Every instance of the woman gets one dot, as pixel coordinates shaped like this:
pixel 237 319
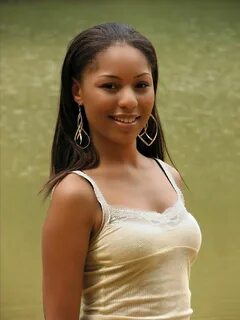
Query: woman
pixel 117 232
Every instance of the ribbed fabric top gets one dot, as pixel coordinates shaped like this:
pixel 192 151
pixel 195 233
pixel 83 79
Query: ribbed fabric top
pixel 138 264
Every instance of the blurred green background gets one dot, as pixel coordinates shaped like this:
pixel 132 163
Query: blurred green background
pixel 198 48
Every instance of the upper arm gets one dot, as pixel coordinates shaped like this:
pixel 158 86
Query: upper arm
pixel 65 238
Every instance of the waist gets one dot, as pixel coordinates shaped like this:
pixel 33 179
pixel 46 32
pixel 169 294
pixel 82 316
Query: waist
pixel 142 306
pixel 119 317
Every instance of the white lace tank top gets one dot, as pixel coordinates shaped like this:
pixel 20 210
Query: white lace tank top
pixel 138 264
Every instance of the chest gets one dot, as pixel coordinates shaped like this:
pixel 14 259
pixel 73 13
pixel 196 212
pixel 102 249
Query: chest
pixel 147 191
pixel 131 235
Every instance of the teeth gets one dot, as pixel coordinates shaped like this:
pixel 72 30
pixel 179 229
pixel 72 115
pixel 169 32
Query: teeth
pixel 125 120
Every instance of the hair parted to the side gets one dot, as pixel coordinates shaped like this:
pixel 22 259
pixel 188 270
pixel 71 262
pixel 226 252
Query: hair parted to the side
pixel 66 155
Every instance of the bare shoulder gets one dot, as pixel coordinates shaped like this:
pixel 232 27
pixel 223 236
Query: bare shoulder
pixel 176 175
pixel 73 197
pixel 72 185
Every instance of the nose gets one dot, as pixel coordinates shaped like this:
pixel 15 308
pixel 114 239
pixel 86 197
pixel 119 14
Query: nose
pixel 127 99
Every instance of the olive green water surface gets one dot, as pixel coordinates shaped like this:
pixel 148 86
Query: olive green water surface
pixel 198 45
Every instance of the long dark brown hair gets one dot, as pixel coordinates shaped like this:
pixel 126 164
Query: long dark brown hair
pixel 66 155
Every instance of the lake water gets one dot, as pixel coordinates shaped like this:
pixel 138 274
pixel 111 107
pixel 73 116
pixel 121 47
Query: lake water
pixel 198 49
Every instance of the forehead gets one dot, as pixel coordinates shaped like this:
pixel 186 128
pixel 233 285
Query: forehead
pixel 120 59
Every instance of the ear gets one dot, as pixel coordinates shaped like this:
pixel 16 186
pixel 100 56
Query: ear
pixel 76 91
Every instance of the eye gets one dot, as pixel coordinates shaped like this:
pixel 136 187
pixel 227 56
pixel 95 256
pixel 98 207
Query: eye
pixel 142 85
pixel 109 86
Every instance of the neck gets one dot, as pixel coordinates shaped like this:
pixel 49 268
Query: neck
pixel 118 155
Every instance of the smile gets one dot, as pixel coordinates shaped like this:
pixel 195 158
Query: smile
pixel 125 120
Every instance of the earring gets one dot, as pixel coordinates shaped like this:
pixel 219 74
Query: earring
pixel 140 136
pixel 80 131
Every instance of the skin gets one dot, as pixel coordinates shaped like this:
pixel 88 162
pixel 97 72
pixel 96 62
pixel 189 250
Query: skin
pixel 102 94
pixel 74 214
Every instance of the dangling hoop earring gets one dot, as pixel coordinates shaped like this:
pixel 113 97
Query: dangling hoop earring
pixel 80 131
pixel 140 136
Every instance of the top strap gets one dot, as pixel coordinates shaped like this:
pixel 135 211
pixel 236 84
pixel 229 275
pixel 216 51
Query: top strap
pixel 169 175
pixel 96 189
pixel 99 196
pixel 100 199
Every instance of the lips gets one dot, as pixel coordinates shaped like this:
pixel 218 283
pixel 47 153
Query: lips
pixel 125 119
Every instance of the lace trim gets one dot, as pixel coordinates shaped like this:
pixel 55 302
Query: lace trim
pixel 113 214
pixel 172 216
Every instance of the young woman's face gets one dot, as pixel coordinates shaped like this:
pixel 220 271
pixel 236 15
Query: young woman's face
pixel 118 94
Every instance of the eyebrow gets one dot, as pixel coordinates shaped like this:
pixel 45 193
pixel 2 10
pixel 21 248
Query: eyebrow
pixel 116 77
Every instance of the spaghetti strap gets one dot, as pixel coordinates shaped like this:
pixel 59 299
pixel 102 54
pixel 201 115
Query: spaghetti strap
pixel 166 174
pixel 96 189
pixel 100 199
pixel 169 175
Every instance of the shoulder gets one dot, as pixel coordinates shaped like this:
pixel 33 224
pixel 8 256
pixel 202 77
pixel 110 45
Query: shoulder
pixel 175 174
pixel 72 187
pixel 72 200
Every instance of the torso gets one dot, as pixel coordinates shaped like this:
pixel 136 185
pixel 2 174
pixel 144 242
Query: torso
pixel 141 253
pixel 153 192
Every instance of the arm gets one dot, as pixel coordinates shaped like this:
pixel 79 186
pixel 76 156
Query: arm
pixel 65 238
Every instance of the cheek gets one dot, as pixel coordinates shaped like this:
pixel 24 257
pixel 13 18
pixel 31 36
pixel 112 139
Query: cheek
pixel 148 99
pixel 99 100
pixel 97 108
